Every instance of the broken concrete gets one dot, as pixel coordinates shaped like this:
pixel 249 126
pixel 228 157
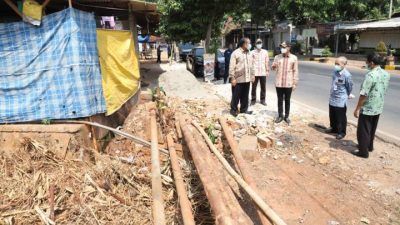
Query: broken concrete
pixel 248 146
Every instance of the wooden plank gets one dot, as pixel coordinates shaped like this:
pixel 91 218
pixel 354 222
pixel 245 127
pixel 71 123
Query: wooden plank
pixel 156 186
pixel 185 205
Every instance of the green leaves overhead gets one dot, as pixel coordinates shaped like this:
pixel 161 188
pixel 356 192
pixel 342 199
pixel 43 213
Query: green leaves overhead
pixel 195 20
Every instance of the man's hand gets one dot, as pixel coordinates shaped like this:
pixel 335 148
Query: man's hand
pixel 253 79
pixel 356 112
pixel 233 82
pixel 294 87
pixel 273 66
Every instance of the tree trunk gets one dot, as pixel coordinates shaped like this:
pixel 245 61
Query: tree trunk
pixel 208 35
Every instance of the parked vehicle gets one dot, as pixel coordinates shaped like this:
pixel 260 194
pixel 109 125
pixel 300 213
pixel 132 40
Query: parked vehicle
pixel 184 50
pixel 219 63
pixel 195 60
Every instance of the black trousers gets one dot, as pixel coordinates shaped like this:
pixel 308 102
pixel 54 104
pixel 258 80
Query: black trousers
pixel 240 94
pixel 158 58
pixel 226 74
pixel 338 119
pixel 366 133
pixel 263 81
pixel 284 94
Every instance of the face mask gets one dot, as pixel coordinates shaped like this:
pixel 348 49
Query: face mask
pixel 338 68
pixel 259 46
pixel 367 66
pixel 283 50
pixel 249 47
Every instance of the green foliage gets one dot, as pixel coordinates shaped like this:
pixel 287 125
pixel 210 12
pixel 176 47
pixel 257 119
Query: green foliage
pixel 189 20
pixel 209 130
pixel 326 52
pixel 381 48
pixel 46 121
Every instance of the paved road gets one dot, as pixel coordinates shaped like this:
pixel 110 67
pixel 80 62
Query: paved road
pixel 314 86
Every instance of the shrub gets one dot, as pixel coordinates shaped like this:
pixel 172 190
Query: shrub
pixel 381 48
pixel 326 52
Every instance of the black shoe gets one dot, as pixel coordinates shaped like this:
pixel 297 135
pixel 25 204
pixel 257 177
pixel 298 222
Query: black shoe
pixel 233 113
pixel 248 112
pixel 330 130
pixel 252 102
pixel 358 154
pixel 340 136
pixel 287 120
pixel 279 119
pixel 264 103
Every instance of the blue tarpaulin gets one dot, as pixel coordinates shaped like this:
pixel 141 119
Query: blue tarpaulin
pixel 51 71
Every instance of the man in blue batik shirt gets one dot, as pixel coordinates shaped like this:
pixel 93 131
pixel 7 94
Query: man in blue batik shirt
pixel 341 88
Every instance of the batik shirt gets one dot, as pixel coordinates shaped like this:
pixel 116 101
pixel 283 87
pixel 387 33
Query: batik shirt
pixel 374 87
pixel 341 88
pixel 261 62
pixel 241 66
pixel 287 71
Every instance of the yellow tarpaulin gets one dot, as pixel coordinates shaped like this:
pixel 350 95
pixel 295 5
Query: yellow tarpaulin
pixel 119 67
pixel 32 9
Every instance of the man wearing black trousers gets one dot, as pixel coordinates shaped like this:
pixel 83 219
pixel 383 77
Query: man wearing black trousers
pixel 261 72
pixel 241 73
pixel 370 104
pixel 340 92
pixel 287 76
pixel 227 56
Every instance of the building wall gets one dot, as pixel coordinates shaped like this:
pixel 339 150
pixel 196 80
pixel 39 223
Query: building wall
pixel 370 39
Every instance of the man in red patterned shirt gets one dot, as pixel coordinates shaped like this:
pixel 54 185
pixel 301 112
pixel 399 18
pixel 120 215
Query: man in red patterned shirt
pixel 287 76
pixel 261 72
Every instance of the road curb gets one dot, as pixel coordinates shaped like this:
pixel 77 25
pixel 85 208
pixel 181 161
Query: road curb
pixel 381 135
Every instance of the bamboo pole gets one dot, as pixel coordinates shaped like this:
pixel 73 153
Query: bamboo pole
pixel 220 211
pixel 13 7
pixel 251 187
pixel 158 203
pixel 119 132
pixel 186 208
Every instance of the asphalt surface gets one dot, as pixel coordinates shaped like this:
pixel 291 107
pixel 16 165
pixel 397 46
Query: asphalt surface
pixel 314 86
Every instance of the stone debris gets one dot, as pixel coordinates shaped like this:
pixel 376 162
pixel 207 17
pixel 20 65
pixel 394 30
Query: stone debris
pixel 248 145
pixel 365 220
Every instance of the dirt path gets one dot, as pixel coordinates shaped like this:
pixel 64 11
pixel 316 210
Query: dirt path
pixel 308 177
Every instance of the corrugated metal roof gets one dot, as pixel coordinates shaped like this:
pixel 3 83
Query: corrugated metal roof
pixel 375 25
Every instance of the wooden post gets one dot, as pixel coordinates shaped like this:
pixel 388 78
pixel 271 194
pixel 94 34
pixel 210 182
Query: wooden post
pixel 13 7
pixel 186 207
pixel 248 178
pixel 206 171
pixel 158 203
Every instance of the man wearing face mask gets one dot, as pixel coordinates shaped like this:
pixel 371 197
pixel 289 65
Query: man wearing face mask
pixel 241 73
pixel 287 76
pixel 370 104
pixel 341 88
pixel 261 72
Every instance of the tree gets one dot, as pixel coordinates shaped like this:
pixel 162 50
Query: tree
pixel 194 20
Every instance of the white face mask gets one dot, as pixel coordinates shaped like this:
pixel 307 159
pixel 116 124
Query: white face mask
pixel 249 47
pixel 259 46
pixel 283 50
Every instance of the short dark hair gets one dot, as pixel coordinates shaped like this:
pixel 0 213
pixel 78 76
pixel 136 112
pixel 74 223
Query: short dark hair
pixel 374 58
pixel 242 41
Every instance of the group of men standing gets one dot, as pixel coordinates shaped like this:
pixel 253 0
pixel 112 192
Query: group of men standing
pixel 247 68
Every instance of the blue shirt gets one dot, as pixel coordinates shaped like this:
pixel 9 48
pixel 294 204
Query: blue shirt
pixel 341 88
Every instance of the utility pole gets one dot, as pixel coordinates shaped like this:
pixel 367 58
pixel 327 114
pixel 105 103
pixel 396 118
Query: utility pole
pixel 390 9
